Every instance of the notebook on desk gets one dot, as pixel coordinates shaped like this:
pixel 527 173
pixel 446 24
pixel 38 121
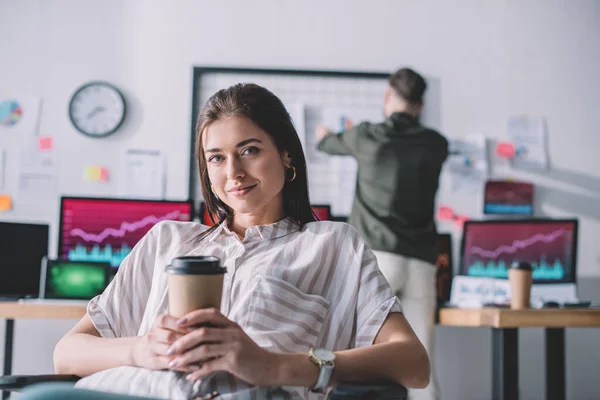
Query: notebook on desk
pixel 71 282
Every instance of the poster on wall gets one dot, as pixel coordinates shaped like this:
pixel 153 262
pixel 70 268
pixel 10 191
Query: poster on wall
pixel 530 140
pixel 19 114
pixel 37 174
pixel 468 163
pixel 145 175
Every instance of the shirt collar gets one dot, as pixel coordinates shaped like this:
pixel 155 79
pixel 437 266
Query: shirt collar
pixel 283 227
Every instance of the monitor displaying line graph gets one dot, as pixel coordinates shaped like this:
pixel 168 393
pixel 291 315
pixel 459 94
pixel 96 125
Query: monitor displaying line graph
pixel 490 247
pixel 105 230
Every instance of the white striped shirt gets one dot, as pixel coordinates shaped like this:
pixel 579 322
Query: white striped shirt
pixel 289 287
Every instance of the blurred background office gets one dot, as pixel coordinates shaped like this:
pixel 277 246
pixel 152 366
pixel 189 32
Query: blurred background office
pixel 485 61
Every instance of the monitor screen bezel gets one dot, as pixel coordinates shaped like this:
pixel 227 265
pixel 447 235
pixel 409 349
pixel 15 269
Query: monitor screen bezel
pixel 574 221
pixel 62 208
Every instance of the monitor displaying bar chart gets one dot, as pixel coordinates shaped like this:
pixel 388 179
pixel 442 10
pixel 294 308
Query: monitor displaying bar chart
pixel 105 230
pixel 490 247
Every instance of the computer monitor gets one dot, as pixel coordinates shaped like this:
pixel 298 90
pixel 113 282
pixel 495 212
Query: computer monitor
pixel 105 230
pixel 322 211
pixel 550 245
pixel 22 248
pixel 508 197
pixel 205 216
pixel 78 280
pixel 444 267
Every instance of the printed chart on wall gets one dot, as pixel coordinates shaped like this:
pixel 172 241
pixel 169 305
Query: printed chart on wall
pixel 468 163
pixel 19 114
pixel 530 139
pixel 329 98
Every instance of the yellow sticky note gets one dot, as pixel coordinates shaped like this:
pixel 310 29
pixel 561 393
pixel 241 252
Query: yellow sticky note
pixel 91 173
pixel 5 202
pixel 95 173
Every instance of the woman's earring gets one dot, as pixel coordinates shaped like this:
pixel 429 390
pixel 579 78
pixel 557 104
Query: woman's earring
pixel 293 174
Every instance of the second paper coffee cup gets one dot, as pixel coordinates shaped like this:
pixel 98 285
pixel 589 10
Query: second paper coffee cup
pixel 194 283
pixel 520 278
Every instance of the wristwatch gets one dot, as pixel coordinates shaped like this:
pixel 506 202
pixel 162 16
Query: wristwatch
pixel 325 360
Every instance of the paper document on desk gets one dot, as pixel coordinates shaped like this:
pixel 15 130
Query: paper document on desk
pixel 473 292
pixel 558 292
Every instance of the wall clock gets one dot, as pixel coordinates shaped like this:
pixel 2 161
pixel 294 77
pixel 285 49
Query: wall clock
pixel 97 109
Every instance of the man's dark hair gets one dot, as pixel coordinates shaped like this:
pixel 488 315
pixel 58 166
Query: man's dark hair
pixel 409 85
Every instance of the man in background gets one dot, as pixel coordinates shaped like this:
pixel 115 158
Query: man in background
pixel 399 164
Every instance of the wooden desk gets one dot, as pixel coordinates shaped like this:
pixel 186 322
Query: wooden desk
pixel 13 310
pixel 505 324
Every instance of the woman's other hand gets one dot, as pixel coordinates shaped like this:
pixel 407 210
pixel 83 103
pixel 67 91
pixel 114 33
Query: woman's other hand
pixel 221 345
pixel 150 351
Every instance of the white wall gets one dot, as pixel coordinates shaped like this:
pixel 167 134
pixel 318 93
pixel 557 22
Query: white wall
pixel 493 60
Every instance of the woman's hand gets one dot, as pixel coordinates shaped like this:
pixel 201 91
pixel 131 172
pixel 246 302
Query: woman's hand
pixel 222 346
pixel 150 351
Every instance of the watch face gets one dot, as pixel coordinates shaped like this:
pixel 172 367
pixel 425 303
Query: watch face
pixel 97 109
pixel 324 355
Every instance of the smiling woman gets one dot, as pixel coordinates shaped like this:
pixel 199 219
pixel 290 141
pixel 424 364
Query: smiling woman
pixel 246 171
pixel 304 304
pixel 263 151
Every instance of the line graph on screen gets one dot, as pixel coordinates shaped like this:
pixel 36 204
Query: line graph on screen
pixel 106 230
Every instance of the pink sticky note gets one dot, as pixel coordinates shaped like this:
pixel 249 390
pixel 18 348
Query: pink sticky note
pixel 45 143
pixel 103 174
pixel 445 213
pixel 505 150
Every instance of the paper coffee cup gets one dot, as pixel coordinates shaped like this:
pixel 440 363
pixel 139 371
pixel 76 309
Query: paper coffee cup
pixel 520 276
pixel 194 283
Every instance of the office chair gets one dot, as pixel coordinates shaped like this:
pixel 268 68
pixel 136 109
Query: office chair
pixel 345 391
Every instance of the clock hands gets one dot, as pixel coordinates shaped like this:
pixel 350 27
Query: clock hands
pixel 96 110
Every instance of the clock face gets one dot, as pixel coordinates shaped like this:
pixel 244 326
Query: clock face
pixel 97 109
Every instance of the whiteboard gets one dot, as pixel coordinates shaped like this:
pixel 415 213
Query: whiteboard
pixel 312 98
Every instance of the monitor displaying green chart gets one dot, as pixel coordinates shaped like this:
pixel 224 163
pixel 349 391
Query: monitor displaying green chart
pixel 66 279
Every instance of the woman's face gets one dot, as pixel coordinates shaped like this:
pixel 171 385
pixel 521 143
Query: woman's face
pixel 245 169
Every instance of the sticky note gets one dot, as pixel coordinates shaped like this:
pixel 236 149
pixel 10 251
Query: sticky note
pixel 89 173
pixel 45 143
pixel 506 150
pixel 103 174
pixel 445 213
pixel 95 173
pixel 5 202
